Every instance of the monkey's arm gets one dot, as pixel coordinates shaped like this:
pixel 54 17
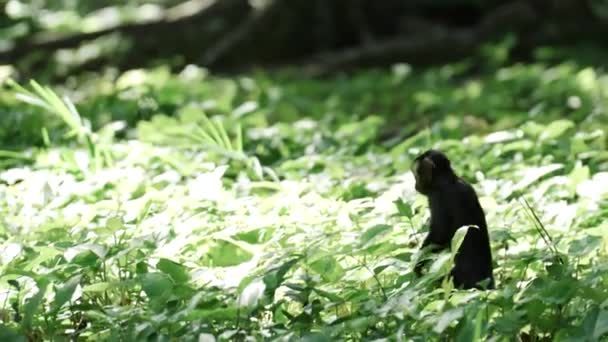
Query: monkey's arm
pixel 438 237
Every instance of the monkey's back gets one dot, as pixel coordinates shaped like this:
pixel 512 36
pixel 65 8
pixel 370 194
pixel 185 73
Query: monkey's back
pixel 474 259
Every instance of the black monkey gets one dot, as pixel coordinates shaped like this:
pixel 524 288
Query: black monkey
pixel 454 204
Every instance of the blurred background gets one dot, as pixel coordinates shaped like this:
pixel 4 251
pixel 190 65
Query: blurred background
pixel 240 168
pixel 459 66
pixel 65 37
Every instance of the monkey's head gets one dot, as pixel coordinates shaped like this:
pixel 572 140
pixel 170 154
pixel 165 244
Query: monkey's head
pixel 429 168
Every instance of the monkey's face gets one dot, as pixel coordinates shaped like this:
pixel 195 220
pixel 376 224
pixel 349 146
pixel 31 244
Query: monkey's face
pixel 423 172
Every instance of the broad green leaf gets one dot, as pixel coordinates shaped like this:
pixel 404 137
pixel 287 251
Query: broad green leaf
pixel 65 292
pixel 97 287
pixel 328 268
pixel 316 337
pixel 472 326
pixel 177 272
pixel 556 129
pixel 220 314
pixel 333 297
pixel 442 264
pixel 403 208
pixel 458 238
pixel 156 284
pixel 224 253
pixel 275 277
pixel 9 334
pixel 114 223
pixel 585 245
pixel 373 232
pixel 45 253
pixel 595 323
pixel 531 175
pixel 33 305
pixel 448 318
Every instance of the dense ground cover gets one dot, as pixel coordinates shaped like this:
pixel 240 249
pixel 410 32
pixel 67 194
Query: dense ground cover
pixel 186 205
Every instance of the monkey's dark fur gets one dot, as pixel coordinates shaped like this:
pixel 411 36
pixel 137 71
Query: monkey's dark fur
pixel 454 204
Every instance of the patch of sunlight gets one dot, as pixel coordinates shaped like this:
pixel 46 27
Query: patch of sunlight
pixel 531 175
pixel 6 72
pixel 562 214
pixel 72 252
pixel 132 78
pixel 208 185
pixel 403 188
pixel 252 293
pixel 12 176
pixel 148 12
pixel 9 252
pixel 595 188
pixel 101 19
pixel 502 136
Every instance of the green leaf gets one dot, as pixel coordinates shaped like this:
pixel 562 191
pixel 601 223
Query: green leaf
pixel 373 232
pixel 114 223
pixel 223 253
pixel 333 297
pixel 176 271
pixel 585 245
pixel 458 238
pixel 531 175
pixel 86 259
pixel 220 314
pixel 33 305
pixel 403 208
pixel 9 334
pixel 448 318
pixel 156 284
pixel 316 337
pixel 472 326
pixel 595 324
pixel 329 268
pixel 97 287
pixel 275 277
pixel 556 129
pixel 64 293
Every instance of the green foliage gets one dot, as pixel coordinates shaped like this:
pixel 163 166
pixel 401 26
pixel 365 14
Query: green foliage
pixel 271 207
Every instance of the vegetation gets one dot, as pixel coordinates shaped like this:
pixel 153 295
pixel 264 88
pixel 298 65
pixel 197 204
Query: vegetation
pixel 144 195
pixel 269 206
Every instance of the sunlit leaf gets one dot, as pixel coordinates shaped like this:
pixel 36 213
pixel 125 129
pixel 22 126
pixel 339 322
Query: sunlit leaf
pixel 448 318
pixel 251 294
pixel 374 231
pixel 556 129
pixel 532 175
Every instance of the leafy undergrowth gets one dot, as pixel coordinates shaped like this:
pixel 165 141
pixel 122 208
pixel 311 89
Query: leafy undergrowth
pixel 197 226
